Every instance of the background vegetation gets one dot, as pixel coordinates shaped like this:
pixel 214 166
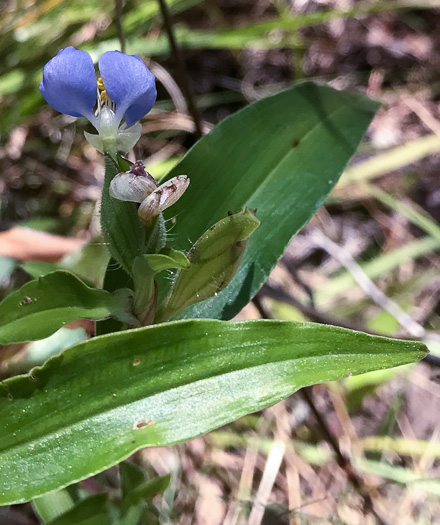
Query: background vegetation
pixel 363 450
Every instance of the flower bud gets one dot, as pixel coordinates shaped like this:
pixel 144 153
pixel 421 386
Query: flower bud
pixel 133 185
pixel 163 197
pixel 215 259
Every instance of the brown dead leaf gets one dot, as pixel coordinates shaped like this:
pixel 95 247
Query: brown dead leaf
pixel 32 245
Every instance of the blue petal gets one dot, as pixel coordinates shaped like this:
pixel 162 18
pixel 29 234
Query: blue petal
pixel 69 83
pixel 129 84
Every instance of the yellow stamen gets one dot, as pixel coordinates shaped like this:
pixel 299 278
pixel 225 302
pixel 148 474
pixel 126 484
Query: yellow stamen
pixel 103 93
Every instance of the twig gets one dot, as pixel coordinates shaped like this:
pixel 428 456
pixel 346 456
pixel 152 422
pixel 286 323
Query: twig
pixel 173 121
pixel 297 278
pixel 279 294
pixel 118 8
pixel 170 85
pixel 423 113
pixel 262 310
pixel 180 67
pixel 270 473
pixel 283 433
pixel 432 360
pixel 343 461
pixel 412 327
pixel 244 491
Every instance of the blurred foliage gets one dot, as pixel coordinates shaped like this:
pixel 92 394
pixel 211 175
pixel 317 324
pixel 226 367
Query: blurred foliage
pixel 384 214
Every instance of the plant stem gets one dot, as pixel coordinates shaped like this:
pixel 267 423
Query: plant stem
pixel 145 291
pixel 343 461
pixel 118 9
pixel 121 227
pixel 180 67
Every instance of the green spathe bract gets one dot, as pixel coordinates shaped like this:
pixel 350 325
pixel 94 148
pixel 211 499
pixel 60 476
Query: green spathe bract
pixel 101 400
pixel 214 260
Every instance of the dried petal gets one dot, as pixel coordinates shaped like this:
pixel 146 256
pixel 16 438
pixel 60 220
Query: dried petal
pixel 163 197
pixel 133 185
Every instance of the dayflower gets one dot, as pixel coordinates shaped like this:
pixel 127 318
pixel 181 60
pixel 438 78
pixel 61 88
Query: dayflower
pixel 125 91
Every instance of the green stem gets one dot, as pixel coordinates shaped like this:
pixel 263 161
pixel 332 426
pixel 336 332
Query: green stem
pixel 121 227
pixel 128 239
pixel 180 68
pixel 143 276
pixel 145 291
pixel 164 313
pixel 156 235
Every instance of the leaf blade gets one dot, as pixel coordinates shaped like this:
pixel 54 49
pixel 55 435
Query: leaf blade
pixel 101 400
pixel 300 142
pixel 42 306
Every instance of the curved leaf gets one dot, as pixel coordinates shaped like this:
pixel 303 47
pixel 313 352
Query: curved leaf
pixel 166 259
pixel 280 156
pixel 101 400
pixel 92 510
pixel 41 307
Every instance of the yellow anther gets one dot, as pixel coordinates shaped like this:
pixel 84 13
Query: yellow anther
pixel 100 84
pixel 103 95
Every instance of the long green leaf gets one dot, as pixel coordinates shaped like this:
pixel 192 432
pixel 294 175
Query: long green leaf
pixel 281 156
pixel 101 400
pixel 41 307
pixel 89 511
pixel 52 505
pixel 391 160
pixel 256 35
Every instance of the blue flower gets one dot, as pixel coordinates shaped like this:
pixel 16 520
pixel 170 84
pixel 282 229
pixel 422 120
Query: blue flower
pixel 125 90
